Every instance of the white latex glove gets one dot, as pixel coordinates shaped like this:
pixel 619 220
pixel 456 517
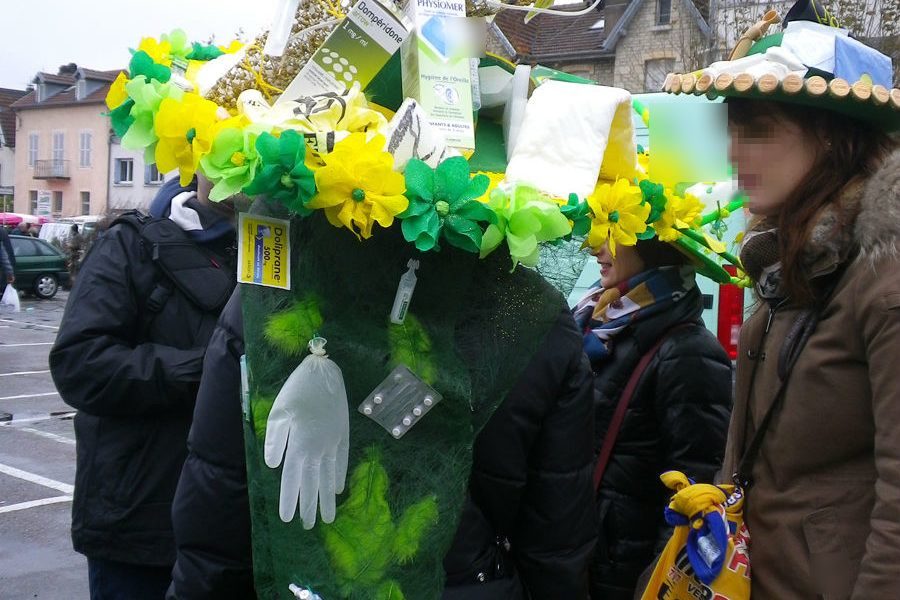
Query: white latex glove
pixel 310 427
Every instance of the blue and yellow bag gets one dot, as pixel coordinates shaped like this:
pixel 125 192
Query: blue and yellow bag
pixel 707 556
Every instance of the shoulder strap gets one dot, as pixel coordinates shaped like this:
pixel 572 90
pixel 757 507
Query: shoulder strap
pixel 796 339
pixel 609 440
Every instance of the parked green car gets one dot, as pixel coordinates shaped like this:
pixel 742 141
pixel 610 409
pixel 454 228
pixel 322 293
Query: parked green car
pixel 40 267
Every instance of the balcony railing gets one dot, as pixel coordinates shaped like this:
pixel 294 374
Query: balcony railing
pixel 51 169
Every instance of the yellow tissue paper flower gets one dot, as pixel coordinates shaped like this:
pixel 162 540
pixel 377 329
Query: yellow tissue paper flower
pixel 358 186
pixel 680 213
pixel 619 215
pixel 186 130
pixel 160 52
pixel 233 47
pixel 117 94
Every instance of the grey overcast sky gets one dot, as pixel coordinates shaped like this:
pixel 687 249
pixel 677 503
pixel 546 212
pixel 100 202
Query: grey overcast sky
pixel 41 35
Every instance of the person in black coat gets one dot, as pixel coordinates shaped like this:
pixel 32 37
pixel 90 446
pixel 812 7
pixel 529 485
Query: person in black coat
pixel 8 264
pixel 530 477
pixel 677 418
pixel 128 357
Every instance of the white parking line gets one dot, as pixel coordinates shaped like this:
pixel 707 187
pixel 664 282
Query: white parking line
pixel 31 344
pixel 15 422
pixel 24 373
pixel 34 503
pixel 22 396
pixel 29 324
pixel 33 478
pixel 45 434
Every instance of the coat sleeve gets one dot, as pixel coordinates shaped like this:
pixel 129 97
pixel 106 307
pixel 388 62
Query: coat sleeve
pixel 879 319
pixel 5 261
pixel 693 407
pixel 541 475
pixel 95 364
pixel 211 510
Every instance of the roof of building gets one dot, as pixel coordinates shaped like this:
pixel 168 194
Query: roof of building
pixel 554 37
pixel 68 96
pixel 7 116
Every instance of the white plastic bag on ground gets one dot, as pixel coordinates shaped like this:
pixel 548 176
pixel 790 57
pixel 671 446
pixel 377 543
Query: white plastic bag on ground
pixel 10 299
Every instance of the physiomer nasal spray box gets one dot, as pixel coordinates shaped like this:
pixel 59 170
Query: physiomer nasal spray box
pixel 436 63
pixel 354 52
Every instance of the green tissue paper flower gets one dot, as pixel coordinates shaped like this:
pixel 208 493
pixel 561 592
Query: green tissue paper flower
pixel 204 53
pixel 653 194
pixel 291 329
pixel 282 174
pixel 579 213
pixel 525 218
pixel 146 96
pixel 443 201
pixel 365 541
pixel 178 41
pixel 121 119
pixel 142 64
pixel 232 162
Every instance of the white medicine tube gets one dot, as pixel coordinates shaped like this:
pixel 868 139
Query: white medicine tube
pixel 404 293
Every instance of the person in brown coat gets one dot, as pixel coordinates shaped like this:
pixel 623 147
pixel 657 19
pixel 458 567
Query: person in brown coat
pixel 817 386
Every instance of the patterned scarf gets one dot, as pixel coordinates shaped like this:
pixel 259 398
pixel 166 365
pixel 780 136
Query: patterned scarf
pixel 602 314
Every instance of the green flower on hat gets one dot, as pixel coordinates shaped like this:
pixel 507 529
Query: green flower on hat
pixel 142 64
pixel 178 43
pixel 525 218
pixel 578 213
pixel 204 53
pixel 232 163
pixel 282 174
pixel 443 201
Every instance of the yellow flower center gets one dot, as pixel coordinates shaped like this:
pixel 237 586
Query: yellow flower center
pixel 442 207
pixel 358 194
pixel 238 159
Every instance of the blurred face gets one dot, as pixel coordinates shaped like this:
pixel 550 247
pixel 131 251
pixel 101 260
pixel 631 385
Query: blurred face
pixel 624 266
pixel 771 157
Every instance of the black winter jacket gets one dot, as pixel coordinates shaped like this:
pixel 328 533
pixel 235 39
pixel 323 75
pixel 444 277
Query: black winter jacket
pixel 676 420
pixel 532 471
pixel 133 376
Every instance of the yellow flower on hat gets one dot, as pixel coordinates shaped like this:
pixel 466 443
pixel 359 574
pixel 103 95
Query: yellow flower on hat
pixel 186 129
pixel 681 212
pixel 117 95
pixel 358 186
pixel 160 52
pixel 619 215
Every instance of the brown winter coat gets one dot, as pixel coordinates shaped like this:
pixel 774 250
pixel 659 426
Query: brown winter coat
pixel 824 512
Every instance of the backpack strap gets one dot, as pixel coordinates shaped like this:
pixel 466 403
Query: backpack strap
pixel 609 440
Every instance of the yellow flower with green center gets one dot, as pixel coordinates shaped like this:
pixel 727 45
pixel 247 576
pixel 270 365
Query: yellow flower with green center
pixel 186 129
pixel 358 187
pixel 619 215
pixel 681 212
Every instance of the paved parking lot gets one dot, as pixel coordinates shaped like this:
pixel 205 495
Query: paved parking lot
pixel 37 462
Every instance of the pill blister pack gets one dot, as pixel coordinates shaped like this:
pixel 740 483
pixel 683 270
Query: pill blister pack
pixel 399 402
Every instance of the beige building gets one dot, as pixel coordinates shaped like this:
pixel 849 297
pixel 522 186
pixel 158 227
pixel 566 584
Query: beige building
pixel 63 144
pixel 8 147
pixel 632 44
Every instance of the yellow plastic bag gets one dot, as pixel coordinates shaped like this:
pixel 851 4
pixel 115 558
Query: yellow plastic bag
pixel 707 556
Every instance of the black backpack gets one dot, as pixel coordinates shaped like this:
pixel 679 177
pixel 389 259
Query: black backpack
pixel 182 263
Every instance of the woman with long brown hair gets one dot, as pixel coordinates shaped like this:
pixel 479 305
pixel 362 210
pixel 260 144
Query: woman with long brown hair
pixel 815 433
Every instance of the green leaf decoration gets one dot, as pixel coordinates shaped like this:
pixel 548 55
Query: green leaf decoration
pixel 142 64
pixel 443 203
pixel 415 521
pixel 282 174
pixel 364 542
pixel 290 330
pixel 389 590
pixel 410 345
pixel 261 406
